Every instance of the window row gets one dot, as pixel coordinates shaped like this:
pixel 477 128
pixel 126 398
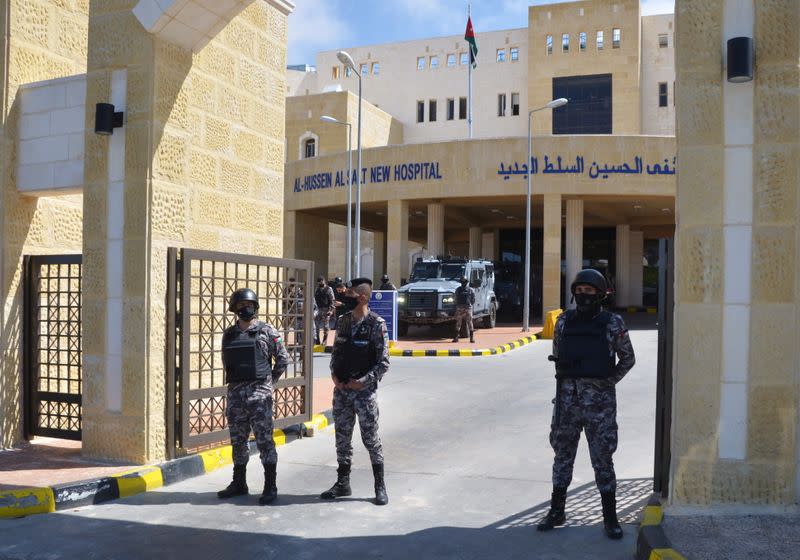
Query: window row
pixel 616 41
pixel 365 68
pixel 502 108
pixel 462 58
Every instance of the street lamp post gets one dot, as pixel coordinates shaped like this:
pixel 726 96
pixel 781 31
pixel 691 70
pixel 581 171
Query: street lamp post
pixel 555 103
pixel 347 60
pixel 349 250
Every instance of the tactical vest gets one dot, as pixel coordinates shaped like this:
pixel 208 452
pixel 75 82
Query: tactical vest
pixel 463 296
pixel 243 358
pixel 583 348
pixel 323 298
pixel 355 353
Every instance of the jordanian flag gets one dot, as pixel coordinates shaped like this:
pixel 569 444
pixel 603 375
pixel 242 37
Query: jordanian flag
pixel 469 37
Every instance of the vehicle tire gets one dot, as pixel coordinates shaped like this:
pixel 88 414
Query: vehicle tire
pixel 491 319
pixel 402 328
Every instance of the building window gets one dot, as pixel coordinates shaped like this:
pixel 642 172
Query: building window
pixel 590 105
pixel 616 37
pixel 514 54
pixel 420 111
pixel 347 72
pixel 663 40
pixel 420 63
pixel 565 42
pixel 376 68
pixel 501 105
pixel 599 40
pixel 335 72
pixel 432 110
pixel 662 94
pixel 434 62
pixel 451 60
pixel 462 108
pixel 310 148
pixel 364 70
pixel 501 55
pixel 582 41
pixel 549 44
pixel 464 58
pixel 451 109
pixel 515 104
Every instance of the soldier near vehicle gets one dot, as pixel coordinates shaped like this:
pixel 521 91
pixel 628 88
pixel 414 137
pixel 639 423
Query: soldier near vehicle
pixel 586 343
pixel 359 361
pixel 254 359
pixel 386 284
pixel 339 290
pixel 325 300
pixel 465 300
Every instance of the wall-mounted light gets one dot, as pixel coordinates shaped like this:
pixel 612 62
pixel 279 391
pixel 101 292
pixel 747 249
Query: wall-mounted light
pixel 741 59
pixel 106 119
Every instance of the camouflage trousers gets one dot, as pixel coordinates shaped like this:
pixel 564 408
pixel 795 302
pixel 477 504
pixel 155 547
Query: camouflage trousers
pixel 464 314
pixel 347 405
pixel 323 321
pixel 250 406
pixel 589 406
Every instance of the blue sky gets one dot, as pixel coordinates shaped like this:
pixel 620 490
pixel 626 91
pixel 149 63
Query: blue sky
pixel 320 25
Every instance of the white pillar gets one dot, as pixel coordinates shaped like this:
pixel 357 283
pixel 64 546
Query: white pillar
pixel 476 243
pixel 574 245
pixel 635 294
pixel 623 270
pixel 397 240
pixel 436 228
pixel 379 257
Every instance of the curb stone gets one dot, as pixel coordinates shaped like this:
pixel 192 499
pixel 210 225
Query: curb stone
pixel 454 353
pixel 652 542
pixel 31 501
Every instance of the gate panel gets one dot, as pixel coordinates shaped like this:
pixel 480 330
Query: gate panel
pixel 666 308
pixel 52 346
pixel 205 281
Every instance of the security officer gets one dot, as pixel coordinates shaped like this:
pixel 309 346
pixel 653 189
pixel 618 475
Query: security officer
pixel 339 294
pixel 254 358
pixel 386 285
pixel 325 298
pixel 586 343
pixel 465 299
pixel 359 361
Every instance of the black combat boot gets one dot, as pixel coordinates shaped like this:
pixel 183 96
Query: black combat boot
pixel 239 485
pixel 381 498
pixel 555 516
pixel 342 486
pixel 472 337
pixel 613 530
pixel 270 487
pixel 455 339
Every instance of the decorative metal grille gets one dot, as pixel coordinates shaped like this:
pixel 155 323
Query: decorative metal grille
pixel 52 359
pixel 202 284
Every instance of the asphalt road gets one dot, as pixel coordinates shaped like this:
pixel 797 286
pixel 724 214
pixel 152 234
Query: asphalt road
pixel 468 475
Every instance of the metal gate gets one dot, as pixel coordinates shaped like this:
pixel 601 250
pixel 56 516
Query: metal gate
pixel 200 283
pixel 666 306
pixel 52 346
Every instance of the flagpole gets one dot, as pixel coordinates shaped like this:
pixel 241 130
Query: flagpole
pixel 469 79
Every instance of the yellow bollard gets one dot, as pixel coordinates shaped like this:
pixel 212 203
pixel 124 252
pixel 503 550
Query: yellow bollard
pixel 550 323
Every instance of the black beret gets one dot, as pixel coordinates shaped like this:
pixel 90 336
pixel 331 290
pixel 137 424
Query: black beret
pixel 358 281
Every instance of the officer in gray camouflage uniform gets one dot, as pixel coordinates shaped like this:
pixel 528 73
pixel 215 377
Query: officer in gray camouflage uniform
pixel 465 299
pixel 254 358
pixel 359 361
pixel 325 300
pixel 586 343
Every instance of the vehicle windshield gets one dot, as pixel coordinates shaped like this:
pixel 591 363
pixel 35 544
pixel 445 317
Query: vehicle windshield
pixel 453 271
pixel 436 271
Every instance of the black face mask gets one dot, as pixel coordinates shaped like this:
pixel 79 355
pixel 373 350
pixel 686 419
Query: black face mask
pixel 587 304
pixel 321 284
pixel 350 303
pixel 246 313
pixel 464 284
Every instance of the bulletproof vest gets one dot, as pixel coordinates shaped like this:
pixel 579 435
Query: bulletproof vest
pixel 583 347
pixel 462 296
pixel 354 355
pixel 243 358
pixel 323 297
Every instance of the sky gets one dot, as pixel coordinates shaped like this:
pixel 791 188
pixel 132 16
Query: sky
pixel 321 25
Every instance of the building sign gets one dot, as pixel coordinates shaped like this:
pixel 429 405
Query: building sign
pixel 384 303
pixel 419 171
pixel 604 170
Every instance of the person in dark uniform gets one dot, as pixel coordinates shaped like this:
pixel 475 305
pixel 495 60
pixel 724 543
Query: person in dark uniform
pixel 359 361
pixel 325 298
pixel 586 345
pixel 339 291
pixel 386 285
pixel 465 299
pixel 254 358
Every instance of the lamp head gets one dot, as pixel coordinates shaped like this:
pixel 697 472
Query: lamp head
pixel 329 119
pixel 346 59
pixel 555 103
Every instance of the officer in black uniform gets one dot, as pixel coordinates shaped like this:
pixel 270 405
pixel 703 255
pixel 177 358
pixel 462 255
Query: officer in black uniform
pixel 386 284
pixel 254 358
pixel 465 299
pixel 586 345
pixel 339 291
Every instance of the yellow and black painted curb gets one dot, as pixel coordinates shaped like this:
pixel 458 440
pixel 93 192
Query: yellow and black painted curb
pixel 30 501
pixel 453 353
pixel 652 542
